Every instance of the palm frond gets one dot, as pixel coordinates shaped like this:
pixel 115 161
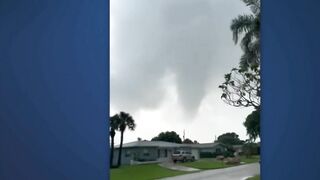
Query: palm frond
pixel 248 59
pixel 114 122
pixel 246 41
pixel 241 24
pixel 254 5
pixel 126 120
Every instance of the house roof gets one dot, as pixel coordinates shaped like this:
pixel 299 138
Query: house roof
pixel 237 146
pixel 148 144
pixel 165 144
pixel 203 145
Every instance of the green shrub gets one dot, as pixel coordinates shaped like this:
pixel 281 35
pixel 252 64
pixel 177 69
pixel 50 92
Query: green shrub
pixel 250 149
pixel 215 154
pixel 228 154
pixel 207 155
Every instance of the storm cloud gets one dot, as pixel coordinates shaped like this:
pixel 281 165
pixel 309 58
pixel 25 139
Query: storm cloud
pixel 188 38
pixel 182 45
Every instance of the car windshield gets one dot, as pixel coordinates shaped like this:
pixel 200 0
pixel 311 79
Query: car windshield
pixel 177 152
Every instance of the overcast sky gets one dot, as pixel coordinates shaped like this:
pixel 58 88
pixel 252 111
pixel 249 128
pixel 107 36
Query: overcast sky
pixel 168 58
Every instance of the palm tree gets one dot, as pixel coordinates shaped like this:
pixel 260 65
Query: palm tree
pixel 125 121
pixel 114 125
pixel 249 26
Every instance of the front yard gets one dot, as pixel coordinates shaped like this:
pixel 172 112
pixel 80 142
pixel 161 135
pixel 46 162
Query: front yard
pixel 154 171
pixel 211 163
pixel 142 172
pixel 252 159
pixel 204 164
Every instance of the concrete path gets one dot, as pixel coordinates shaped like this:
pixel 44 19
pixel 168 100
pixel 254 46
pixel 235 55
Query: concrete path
pixel 173 166
pixel 233 173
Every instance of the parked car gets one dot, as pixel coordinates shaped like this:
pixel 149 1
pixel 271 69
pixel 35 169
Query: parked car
pixel 182 156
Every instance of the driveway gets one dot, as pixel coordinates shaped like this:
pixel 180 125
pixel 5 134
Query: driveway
pixel 233 173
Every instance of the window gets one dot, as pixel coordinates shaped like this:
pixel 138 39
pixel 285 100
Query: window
pixel 127 154
pixel 146 152
pixel 166 153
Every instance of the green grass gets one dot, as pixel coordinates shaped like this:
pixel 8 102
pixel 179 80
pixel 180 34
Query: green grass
pixel 257 177
pixel 204 164
pixel 211 163
pixel 154 171
pixel 252 159
pixel 142 172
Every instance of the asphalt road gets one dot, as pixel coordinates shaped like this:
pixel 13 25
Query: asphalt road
pixel 233 173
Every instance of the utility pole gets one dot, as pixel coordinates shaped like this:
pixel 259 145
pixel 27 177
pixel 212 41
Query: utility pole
pixel 184 133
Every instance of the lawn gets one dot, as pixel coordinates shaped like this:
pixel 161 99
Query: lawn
pixel 142 172
pixel 252 159
pixel 206 163
pixel 257 177
pixel 211 163
pixel 154 171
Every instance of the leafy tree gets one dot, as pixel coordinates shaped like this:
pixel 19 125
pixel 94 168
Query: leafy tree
pixel 252 124
pixel 114 125
pixel 242 88
pixel 168 137
pixel 229 139
pixel 187 141
pixel 242 85
pixel 125 121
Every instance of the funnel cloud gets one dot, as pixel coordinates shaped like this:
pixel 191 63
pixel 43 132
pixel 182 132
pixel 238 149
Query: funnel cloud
pixel 167 59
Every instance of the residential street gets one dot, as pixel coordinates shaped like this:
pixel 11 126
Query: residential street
pixel 234 173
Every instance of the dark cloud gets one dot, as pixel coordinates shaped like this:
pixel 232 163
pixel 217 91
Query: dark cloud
pixel 153 38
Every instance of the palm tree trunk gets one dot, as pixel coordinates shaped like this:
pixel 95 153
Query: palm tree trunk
pixel 120 149
pixel 111 151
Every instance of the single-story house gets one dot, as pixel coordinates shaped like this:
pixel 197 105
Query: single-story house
pixel 160 151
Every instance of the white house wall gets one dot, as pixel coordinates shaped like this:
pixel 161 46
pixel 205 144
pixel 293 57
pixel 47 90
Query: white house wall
pixel 158 154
